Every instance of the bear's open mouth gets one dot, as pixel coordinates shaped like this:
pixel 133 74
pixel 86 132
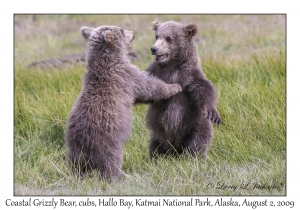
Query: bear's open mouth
pixel 161 57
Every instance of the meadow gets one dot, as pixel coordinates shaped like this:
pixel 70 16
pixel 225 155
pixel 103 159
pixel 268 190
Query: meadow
pixel 243 55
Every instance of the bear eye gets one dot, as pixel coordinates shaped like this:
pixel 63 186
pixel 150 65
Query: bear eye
pixel 168 39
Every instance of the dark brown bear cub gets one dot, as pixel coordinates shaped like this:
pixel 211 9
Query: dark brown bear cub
pixel 100 120
pixel 181 122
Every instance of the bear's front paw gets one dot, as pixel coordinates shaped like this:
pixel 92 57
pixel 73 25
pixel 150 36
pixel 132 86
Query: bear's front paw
pixel 172 89
pixel 212 114
pixel 176 88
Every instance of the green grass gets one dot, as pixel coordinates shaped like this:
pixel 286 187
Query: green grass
pixel 244 56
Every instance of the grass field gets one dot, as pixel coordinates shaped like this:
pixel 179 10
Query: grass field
pixel 243 55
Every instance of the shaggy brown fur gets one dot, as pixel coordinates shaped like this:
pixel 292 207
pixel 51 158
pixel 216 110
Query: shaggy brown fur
pixel 181 122
pixel 100 120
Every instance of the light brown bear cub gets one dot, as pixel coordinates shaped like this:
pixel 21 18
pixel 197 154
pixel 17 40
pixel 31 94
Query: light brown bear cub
pixel 100 120
pixel 181 122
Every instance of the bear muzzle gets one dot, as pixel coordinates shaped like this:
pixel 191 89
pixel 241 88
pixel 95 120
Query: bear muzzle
pixel 154 50
pixel 160 58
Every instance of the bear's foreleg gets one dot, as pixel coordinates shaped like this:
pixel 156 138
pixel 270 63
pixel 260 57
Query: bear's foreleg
pixel 153 89
pixel 203 94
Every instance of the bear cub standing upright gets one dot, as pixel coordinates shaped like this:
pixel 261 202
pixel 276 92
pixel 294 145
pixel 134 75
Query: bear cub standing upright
pixel 100 120
pixel 181 122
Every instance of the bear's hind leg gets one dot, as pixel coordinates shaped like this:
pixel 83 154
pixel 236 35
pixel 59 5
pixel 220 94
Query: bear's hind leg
pixel 155 149
pixel 198 142
pixel 78 162
pixel 108 165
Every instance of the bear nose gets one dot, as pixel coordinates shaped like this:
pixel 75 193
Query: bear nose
pixel 153 50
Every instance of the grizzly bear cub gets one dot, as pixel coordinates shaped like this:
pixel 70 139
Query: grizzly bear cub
pixel 100 120
pixel 181 122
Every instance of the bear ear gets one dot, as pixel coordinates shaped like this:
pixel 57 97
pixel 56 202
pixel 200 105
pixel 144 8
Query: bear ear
pixel 191 29
pixel 86 32
pixel 155 25
pixel 108 36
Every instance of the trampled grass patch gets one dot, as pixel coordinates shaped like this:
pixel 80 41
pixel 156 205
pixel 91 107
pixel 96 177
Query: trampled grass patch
pixel 248 152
